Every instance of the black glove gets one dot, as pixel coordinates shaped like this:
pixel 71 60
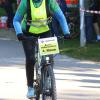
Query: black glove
pixel 21 37
pixel 67 36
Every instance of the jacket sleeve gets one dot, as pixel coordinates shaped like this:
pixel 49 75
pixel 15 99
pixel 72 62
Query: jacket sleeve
pixel 19 17
pixel 17 23
pixel 57 12
pixel 63 22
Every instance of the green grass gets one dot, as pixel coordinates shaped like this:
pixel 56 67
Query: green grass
pixel 72 48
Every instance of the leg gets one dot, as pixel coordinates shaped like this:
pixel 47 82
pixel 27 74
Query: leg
pixel 89 28
pixel 97 30
pixel 96 26
pixel 30 61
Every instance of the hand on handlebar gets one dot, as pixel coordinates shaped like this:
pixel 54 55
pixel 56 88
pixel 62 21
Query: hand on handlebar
pixel 21 37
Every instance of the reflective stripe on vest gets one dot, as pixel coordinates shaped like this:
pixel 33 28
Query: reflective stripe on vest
pixel 39 18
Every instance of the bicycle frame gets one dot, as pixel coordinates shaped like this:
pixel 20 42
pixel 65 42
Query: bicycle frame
pixel 44 71
pixel 43 63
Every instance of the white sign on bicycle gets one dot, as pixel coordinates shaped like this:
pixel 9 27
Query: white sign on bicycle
pixel 48 46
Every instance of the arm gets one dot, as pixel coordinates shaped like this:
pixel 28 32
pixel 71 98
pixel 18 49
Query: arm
pixel 63 22
pixel 59 15
pixel 19 17
pixel 17 23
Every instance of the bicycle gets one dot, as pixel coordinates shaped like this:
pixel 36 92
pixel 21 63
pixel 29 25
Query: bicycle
pixel 44 83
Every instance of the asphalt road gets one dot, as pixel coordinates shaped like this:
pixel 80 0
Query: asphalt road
pixel 75 79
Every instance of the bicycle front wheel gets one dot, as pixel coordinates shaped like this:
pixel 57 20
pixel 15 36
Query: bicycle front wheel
pixel 48 84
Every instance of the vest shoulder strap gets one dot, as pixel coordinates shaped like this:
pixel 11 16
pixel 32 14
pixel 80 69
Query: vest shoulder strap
pixel 28 10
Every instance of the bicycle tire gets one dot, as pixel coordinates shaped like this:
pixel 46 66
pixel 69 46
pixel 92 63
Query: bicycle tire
pixel 48 73
pixel 38 87
pixel 37 94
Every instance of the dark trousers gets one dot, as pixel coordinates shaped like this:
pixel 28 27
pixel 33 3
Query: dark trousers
pixel 89 28
pixel 29 49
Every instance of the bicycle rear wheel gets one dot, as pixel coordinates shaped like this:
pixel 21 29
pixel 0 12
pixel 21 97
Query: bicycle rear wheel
pixel 48 84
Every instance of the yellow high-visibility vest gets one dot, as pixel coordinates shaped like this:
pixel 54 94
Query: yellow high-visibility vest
pixel 38 24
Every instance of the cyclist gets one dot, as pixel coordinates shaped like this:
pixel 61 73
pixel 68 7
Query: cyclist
pixel 30 20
